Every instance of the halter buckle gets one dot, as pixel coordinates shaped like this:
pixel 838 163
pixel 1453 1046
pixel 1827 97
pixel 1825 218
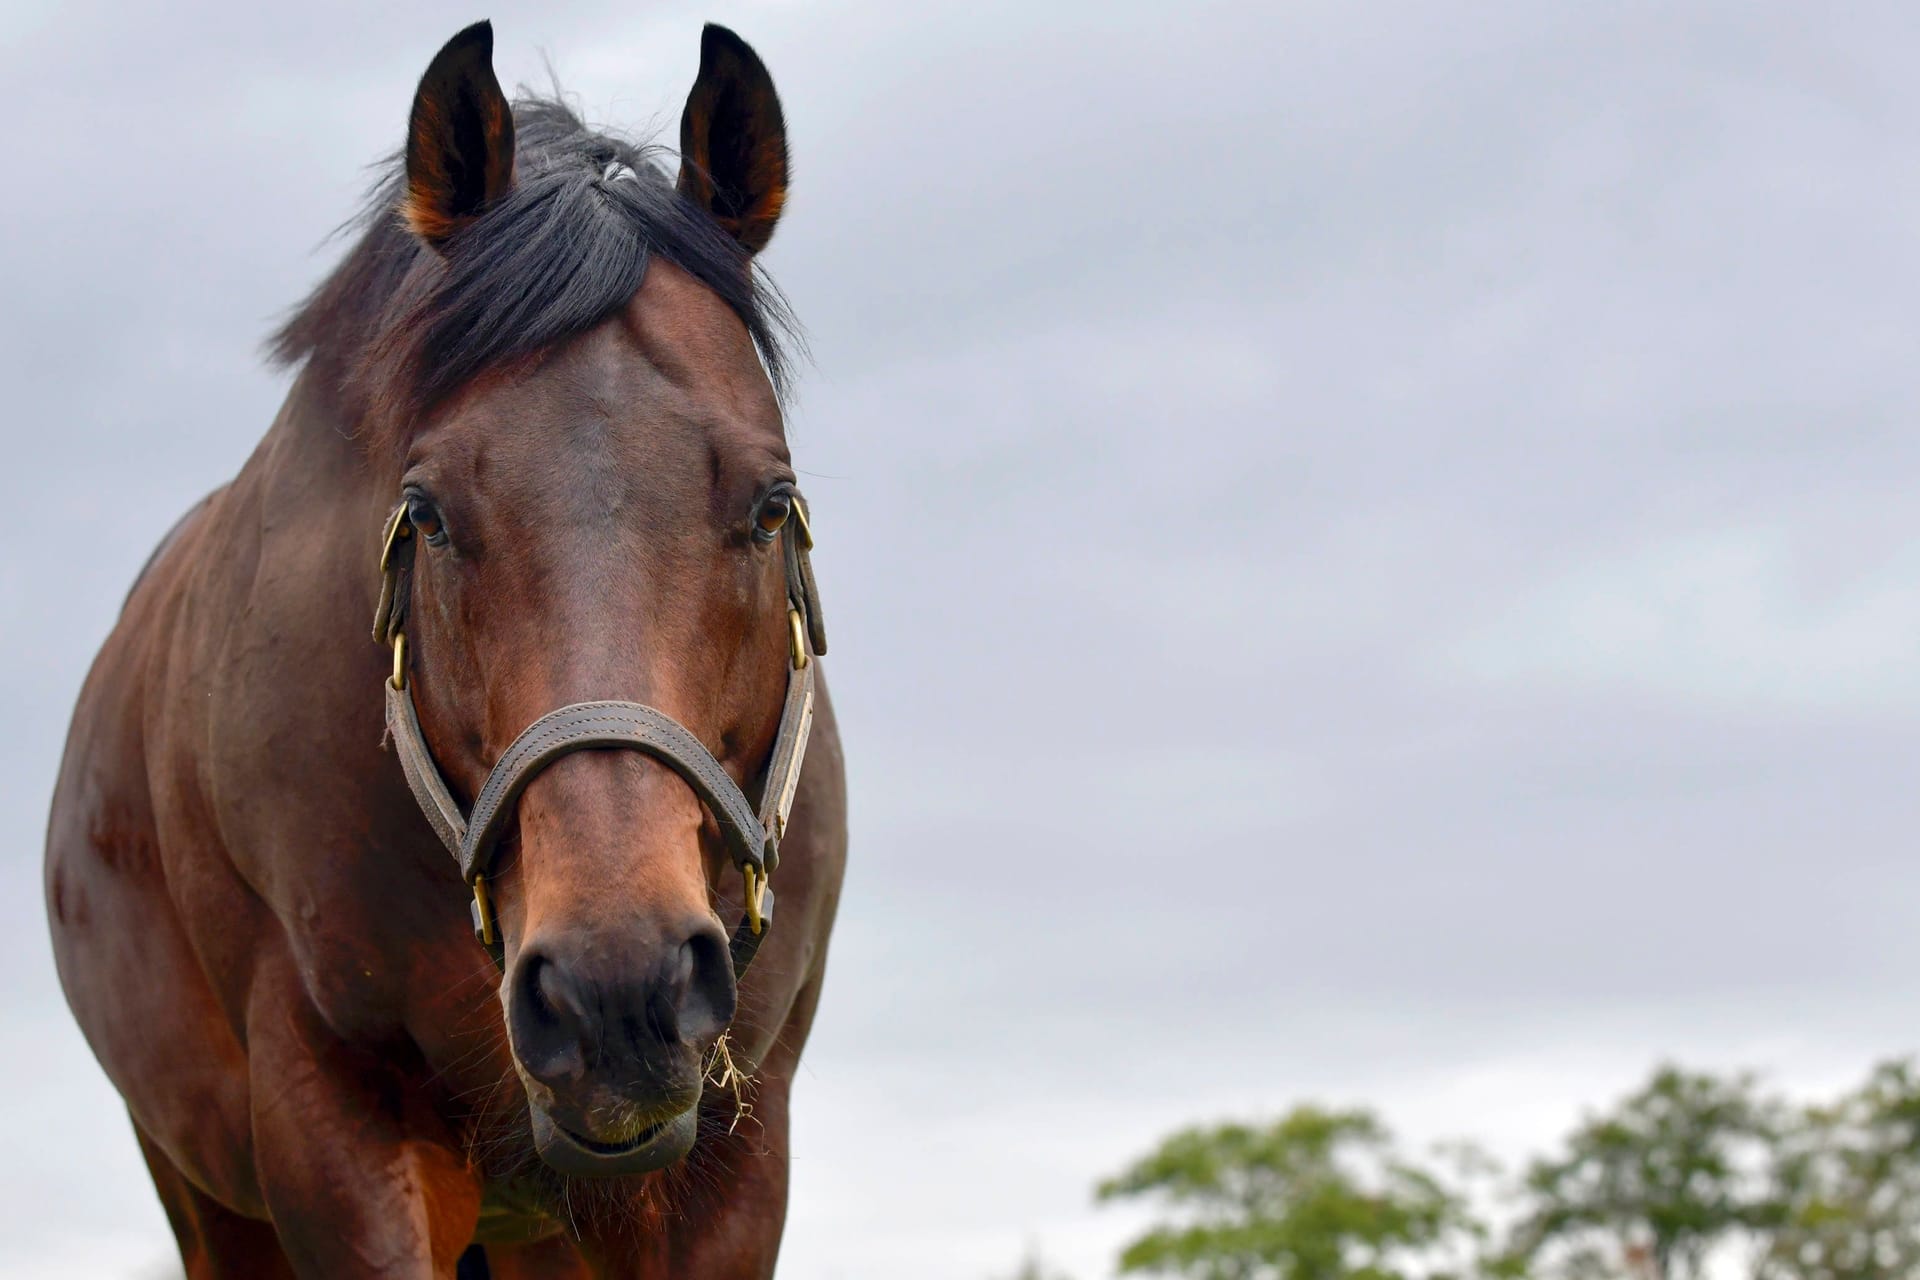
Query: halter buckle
pixel 797 635
pixel 483 913
pixel 756 896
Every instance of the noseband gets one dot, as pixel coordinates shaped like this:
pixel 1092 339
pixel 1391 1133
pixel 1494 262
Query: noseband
pixel 752 834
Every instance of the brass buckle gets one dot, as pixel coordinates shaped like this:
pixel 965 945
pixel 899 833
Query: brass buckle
pixel 483 911
pixel 756 895
pixel 797 633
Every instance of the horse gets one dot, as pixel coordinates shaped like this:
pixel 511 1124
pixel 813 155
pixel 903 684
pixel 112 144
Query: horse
pixel 534 431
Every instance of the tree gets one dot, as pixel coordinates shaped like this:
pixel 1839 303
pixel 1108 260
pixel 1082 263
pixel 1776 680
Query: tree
pixel 1316 1195
pixel 1849 1175
pixel 1651 1189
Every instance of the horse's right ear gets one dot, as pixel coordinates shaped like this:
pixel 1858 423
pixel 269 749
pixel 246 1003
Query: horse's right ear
pixel 459 138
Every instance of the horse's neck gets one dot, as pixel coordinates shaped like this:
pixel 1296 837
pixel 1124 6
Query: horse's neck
pixel 279 601
pixel 315 457
pixel 305 510
pixel 276 667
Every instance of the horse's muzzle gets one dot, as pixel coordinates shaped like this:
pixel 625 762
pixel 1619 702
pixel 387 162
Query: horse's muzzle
pixel 610 1041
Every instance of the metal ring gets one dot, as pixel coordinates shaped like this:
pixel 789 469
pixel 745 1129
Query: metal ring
pixel 399 678
pixel 806 525
pixel 398 527
pixel 756 895
pixel 797 633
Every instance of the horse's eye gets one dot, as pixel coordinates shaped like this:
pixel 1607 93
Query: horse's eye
pixel 425 518
pixel 772 515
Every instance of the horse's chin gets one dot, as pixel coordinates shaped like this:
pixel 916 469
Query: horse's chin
pixel 579 1156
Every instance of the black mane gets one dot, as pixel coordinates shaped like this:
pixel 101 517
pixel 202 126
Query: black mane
pixel 399 326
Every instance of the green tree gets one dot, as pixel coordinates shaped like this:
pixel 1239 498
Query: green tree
pixel 1849 1175
pixel 1652 1188
pixel 1316 1195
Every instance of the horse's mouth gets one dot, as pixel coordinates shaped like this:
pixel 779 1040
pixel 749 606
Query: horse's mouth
pixel 628 1147
pixel 577 1155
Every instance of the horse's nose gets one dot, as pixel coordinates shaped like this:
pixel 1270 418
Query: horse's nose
pixel 579 1005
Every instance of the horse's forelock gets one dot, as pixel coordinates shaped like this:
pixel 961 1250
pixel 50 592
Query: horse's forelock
pixel 398 327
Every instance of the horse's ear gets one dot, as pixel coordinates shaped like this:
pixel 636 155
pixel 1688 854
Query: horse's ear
pixel 459 138
pixel 733 140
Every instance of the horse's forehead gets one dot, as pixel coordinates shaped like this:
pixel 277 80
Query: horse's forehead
pixel 697 343
pixel 674 372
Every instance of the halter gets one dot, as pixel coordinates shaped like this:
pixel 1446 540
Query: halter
pixel 752 835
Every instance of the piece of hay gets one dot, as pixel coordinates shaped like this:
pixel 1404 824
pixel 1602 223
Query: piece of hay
pixel 722 1073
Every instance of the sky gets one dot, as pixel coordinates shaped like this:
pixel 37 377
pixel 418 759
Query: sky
pixel 1371 547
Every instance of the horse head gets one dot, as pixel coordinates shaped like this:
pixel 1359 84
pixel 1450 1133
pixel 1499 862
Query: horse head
pixel 579 388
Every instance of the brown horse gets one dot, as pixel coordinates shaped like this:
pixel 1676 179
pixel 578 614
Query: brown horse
pixel 536 436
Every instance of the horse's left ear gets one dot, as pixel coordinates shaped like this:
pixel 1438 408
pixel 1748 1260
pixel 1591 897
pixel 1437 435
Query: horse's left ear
pixel 733 140
pixel 459 138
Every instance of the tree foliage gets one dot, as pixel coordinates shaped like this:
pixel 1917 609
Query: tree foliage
pixel 1316 1195
pixel 1652 1187
pixel 1693 1175
pixel 1849 1176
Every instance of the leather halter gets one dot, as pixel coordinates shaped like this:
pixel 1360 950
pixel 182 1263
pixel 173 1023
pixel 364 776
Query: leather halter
pixel 752 834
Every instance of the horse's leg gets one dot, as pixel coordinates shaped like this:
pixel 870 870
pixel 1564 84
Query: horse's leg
pixel 363 1180
pixel 215 1242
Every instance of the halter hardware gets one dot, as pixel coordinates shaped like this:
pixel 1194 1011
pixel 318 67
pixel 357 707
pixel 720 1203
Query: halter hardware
pixel 753 835
pixel 483 926
pixel 756 897
pixel 798 634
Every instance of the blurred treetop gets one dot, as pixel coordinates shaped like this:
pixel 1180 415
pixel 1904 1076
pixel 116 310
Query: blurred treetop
pixel 1692 1176
pixel 1316 1195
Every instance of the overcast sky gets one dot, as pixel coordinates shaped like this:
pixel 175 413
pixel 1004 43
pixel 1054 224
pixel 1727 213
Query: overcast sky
pixel 1372 548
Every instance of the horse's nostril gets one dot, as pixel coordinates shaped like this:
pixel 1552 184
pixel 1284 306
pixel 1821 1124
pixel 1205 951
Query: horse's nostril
pixel 667 995
pixel 707 987
pixel 552 996
pixel 692 1001
pixel 548 1021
